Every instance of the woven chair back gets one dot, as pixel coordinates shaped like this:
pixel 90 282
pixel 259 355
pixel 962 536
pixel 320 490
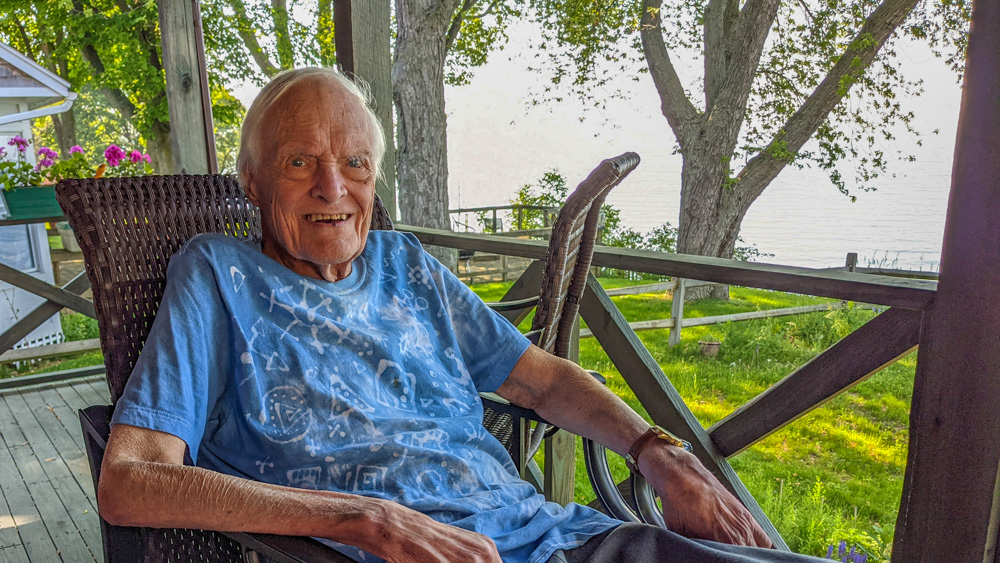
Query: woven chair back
pixel 128 228
pixel 571 250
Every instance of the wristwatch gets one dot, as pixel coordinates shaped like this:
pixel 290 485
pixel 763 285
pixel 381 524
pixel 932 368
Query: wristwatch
pixel 654 433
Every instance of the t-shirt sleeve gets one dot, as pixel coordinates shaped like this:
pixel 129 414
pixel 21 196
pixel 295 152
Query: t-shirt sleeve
pixel 182 368
pixel 490 345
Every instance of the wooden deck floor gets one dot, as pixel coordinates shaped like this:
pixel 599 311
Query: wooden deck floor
pixel 48 511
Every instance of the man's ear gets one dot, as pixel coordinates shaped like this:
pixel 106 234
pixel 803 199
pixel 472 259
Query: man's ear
pixel 250 188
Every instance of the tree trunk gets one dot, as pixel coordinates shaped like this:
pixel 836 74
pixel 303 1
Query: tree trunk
pixel 708 208
pixel 421 131
pixel 64 125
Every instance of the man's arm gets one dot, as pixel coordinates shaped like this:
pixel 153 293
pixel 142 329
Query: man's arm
pixel 695 503
pixel 144 483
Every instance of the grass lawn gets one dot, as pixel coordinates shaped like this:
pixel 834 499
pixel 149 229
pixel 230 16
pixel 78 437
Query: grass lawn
pixel 836 473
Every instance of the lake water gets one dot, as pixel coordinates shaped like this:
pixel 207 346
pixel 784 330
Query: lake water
pixel 497 144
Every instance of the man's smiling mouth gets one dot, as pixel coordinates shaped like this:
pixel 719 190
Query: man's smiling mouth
pixel 327 218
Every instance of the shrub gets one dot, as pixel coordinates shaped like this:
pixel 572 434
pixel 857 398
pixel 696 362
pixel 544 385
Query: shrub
pixel 77 326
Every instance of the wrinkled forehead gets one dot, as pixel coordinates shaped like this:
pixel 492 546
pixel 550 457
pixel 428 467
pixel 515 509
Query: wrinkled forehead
pixel 317 106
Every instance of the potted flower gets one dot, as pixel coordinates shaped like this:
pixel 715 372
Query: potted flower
pixel 135 163
pixel 18 172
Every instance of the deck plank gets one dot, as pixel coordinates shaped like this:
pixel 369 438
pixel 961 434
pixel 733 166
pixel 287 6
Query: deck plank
pixel 34 537
pixel 100 386
pixel 90 394
pixel 50 410
pixel 14 554
pixel 73 403
pixel 30 458
pixel 8 531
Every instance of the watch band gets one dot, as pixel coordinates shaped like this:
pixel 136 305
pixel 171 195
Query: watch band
pixel 654 433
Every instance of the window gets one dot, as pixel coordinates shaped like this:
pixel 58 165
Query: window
pixel 16 248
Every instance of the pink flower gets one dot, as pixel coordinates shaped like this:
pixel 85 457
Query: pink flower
pixel 135 157
pixel 44 163
pixel 3 151
pixel 76 148
pixel 47 154
pixel 114 155
pixel 145 158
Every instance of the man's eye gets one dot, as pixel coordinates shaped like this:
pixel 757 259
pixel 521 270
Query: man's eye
pixel 298 162
pixel 355 162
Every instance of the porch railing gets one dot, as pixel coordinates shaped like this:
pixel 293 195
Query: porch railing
pixel 880 342
pixel 877 344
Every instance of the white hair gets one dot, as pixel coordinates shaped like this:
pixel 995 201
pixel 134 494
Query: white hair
pixel 250 134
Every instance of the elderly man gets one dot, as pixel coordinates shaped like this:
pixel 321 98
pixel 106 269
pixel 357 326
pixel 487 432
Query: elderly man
pixel 324 382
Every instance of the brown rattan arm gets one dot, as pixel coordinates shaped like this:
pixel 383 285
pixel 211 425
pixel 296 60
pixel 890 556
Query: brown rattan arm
pixel 126 544
pixel 515 305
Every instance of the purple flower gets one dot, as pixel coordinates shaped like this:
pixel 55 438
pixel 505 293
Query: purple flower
pixel 3 151
pixel 135 157
pixel 20 142
pixel 76 148
pixel 114 155
pixel 44 163
pixel 47 154
pixel 145 158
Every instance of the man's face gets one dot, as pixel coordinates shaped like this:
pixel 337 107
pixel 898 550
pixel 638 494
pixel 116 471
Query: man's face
pixel 315 183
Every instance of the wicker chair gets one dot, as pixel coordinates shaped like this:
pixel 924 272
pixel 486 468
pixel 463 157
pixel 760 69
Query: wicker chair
pixel 128 228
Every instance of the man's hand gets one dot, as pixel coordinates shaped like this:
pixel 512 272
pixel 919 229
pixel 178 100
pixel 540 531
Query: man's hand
pixel 695 504
pixel 413 537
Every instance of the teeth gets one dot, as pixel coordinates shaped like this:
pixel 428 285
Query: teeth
pixel 320 217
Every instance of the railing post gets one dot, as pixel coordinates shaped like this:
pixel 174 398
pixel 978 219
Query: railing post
pixel 852 261
pixel 560 449
pixel 676 313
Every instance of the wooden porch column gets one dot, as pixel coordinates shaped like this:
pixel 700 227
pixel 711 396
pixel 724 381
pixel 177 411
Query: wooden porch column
pixel 951 500
pixel 362 40
pixel 192 136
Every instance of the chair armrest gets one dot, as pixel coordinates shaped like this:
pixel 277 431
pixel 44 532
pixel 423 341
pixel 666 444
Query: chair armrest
pixel 499 404
pixel 286 549
pixel 515 305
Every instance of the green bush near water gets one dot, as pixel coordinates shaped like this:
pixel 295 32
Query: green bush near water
pixel 836 473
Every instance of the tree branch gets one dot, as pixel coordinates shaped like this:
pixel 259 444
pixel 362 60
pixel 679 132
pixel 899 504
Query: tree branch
pixel 801 126
pixel 719 18
pixel 286 53
pixel 456 24
pixel 746 45
pixel 115 96
pixel 489 10
pixel 245 30
pixel 674 103
pixel 24 38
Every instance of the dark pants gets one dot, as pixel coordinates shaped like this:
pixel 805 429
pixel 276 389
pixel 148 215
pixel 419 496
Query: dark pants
pixel 641 542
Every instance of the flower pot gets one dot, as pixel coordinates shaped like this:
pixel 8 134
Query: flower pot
pixel 67 236
pixel 710 349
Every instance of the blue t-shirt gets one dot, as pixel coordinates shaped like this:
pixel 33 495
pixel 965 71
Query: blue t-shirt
pixel 368 385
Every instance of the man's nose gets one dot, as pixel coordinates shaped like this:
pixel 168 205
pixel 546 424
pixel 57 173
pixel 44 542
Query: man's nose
pixel 329 184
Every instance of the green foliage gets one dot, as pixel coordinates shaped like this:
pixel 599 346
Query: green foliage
pixel 480 26
pixel 587 47
pixel 76 326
